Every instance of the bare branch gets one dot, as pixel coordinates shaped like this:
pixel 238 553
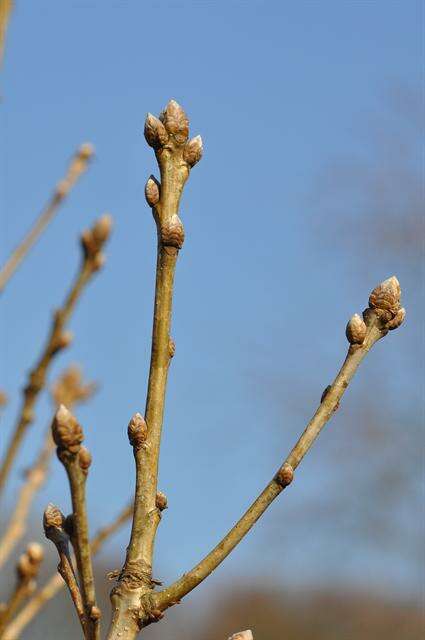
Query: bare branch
pixel 6 7
pixel 384 313
pixel 52 587
pixel 76 459
pixel 27 570
pixel 78 165
pixel 53 522
pixel 69 389
pixel 59 338
pixel 175 156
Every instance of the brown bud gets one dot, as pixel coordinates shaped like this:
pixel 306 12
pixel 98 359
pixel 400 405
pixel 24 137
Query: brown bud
pixel 156 615
pixel 242 635
pixel 95 613
pixel 161 501
pixel 175 121
pixel 53 517
pixel 193 151
pixel 397 320
pixel 172 234
pixel 152 191
pixel 86 151
pixel 155 133
pixel 102 230
pixel 66 431
pixel 356 330
pixel 137 430
pixel 386 296
pixel 84 459
pixel 285 475
pixel 171 347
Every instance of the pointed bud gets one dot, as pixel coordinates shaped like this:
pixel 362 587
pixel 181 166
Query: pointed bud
pixel 172 234
pixel 152 188
pixel 66 431
pixel 155 132
pixel 84 459
pixel 161 501
pixel 356 330
pixel 397 320
pixel 137 430
pixel 285 475
pixel 102 230
pixel 386 296
pixel 175 121
pixel 53 517
pixel 193 151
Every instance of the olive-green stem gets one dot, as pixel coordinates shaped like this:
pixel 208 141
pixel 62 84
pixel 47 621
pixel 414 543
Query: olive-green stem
pixel 80 540
pixel 173 594
pixel 37 377
pixel 55 583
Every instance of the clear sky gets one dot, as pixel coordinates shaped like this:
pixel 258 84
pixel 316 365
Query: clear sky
pixel 277 90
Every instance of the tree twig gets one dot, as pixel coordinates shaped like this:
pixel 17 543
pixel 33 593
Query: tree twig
pixel 78 165
pixel 384 313
pixel 26 571
pixel 68 436
pixel 6 7
pixel 52 587
pixel 175 155
pixel 93 259
pixel 68 389
pixel 53 522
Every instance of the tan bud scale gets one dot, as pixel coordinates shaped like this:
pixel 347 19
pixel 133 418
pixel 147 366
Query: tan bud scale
pixel 356 330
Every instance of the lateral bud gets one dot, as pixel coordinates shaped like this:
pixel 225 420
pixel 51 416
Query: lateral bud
pixel 155 132
pixel 175 121
pixel 172 233
pixel 137 431
pixel 193 151
pixel 84 459
pixel 285 475
pixel 152 193
pixel 62 341
pixel 356 330
pixel 171 348
pixel 397 320
pixel 66 430
pixel 161 501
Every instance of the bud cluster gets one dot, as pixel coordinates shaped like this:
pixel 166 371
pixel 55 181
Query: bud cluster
pixel 385 302
pixel 67 432
pixel 93 240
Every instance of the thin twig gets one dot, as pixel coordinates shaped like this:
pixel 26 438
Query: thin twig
pixel 69 389
pixel 78 165
pixel 26 572
pixel 384 313
pixel 175 156
pixel 68 436
pixel 93 260
pixel 52 587
pixel 53 522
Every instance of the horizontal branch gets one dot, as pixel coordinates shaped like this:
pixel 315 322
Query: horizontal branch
pixel 384 313
pixel 77 166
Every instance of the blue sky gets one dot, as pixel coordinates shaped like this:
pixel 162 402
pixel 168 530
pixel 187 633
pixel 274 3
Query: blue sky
pixel 277 90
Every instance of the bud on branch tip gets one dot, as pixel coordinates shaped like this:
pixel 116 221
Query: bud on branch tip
pixel 66 431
